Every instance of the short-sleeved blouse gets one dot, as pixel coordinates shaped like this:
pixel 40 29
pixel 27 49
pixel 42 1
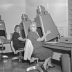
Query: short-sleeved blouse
pixel 16 42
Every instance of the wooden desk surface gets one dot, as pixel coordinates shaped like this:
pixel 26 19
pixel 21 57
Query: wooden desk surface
pixel 5 42
pixel 62 46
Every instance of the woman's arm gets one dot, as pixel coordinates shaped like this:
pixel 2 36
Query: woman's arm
pixel 21 39
pixel 42 38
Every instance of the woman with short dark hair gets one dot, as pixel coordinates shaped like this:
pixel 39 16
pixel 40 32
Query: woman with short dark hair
pixel 18 41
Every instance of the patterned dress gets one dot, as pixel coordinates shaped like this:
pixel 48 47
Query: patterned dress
pixel 39 51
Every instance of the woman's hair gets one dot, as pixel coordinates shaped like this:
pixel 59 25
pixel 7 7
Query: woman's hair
pixel 33 23
pixel 16 27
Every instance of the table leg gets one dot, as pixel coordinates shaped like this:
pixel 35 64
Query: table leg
pixel 66 63
pixel 71 59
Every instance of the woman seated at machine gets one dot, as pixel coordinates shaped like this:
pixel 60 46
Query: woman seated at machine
pixel 39 51
pixel 18 41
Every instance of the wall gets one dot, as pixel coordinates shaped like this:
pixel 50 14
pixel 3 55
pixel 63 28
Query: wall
pixel 11 11
pixel 70 17
pixel 57 8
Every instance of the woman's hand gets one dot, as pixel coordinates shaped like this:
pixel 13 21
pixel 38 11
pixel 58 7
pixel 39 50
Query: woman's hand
pixel 21 39
pixel 48 32
pixel 44 36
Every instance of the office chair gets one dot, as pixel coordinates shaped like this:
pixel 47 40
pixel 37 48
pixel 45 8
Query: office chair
pixel 20 57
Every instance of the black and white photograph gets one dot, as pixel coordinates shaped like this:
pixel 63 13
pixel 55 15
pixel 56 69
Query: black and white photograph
pixel 35 36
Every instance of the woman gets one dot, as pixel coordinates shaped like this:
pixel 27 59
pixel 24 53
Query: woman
pixel 39 51
pixel 18 41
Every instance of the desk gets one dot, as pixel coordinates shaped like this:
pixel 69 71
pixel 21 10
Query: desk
pixel 61 46
pixel 6 44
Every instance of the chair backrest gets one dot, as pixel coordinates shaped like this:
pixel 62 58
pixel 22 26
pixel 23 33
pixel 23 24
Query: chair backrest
pixel 11 44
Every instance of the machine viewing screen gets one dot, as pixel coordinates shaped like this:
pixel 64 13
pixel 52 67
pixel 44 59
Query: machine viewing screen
pixel 2 33
pixel 47 24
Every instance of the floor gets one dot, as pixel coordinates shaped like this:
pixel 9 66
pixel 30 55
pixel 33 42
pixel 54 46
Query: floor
pixel 9 65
